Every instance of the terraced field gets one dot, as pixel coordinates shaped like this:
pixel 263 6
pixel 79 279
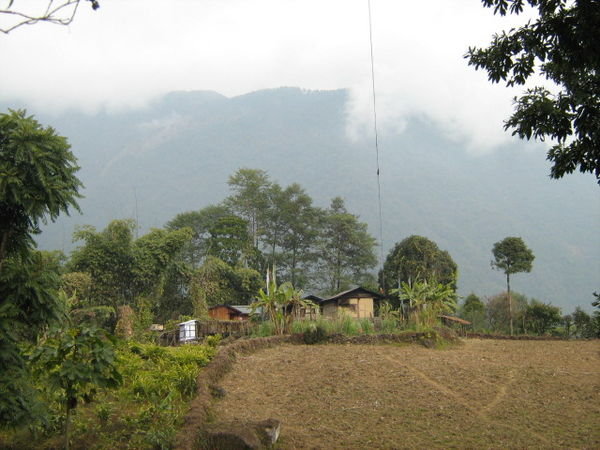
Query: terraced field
pixel 483 394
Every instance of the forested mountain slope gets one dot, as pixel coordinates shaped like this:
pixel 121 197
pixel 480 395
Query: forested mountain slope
pixel 177 154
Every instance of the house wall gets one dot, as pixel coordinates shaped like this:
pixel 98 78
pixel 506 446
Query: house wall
pixel 330 310
pixel 357 308
pixel 219 313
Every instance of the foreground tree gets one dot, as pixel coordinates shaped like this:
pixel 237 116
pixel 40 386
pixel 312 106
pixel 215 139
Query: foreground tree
pixel 76 361
pixel 511 255
pixel 37 180
pixel 37 183
pixel 562 46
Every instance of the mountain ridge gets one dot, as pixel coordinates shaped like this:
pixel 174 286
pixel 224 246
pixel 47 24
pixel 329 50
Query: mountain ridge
pixel 176 155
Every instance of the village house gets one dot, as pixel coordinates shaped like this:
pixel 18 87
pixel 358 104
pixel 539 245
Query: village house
pixel 230 312
pixel 358 303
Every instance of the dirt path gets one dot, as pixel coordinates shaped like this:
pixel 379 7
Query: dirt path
pixel 486 394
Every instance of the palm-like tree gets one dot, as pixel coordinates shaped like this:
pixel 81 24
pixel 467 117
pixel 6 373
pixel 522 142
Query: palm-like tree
pixel 281 304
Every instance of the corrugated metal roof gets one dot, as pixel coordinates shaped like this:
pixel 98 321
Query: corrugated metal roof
pixel 244 309
pixel 350 291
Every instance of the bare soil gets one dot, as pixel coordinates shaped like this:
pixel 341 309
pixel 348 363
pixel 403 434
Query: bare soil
pixel 483 394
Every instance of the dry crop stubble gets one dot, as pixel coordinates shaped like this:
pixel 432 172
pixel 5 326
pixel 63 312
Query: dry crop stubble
pixel 485 393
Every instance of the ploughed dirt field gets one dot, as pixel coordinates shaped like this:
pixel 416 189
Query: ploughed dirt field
pixel 485 393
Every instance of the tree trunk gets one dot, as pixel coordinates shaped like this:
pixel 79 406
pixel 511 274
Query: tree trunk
pixel 510 315
pixel 67 427
pixel 294 267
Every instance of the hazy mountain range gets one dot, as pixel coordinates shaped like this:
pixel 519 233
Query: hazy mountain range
pixel 176 155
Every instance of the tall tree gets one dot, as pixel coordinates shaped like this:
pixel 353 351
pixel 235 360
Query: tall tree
pixel 200 222
pixel 511 256
pixel 418 258
pixel 347 248
pixel 37 180
pixel 292 226
pixel 250 198
pixel 561 44
pixel 229 240
pixel 37 183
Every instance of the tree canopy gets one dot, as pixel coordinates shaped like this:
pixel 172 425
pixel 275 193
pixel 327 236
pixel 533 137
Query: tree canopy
pixel 347 248
pixel 418 258
pixel 37 180
pixel 562 46
pixel 511 255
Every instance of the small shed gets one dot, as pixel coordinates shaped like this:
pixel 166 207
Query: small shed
pixel 230 312
pixel 358 303
pixel 188 331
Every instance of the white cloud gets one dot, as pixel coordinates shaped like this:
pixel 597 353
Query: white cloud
pixel 130 51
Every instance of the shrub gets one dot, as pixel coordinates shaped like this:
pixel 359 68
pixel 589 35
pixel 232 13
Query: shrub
pixel 314 334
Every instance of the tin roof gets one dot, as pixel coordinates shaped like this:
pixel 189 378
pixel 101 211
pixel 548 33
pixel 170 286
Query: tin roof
pixel 350 292
pixel 240 309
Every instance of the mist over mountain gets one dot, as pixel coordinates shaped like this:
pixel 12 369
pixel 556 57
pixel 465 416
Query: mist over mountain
pixel 177 154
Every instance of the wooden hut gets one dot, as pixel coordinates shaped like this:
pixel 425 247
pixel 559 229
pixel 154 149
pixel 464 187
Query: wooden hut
pixel 230 312
pixel 358 303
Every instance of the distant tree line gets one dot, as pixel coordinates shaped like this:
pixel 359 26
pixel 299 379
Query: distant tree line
pixel 530 316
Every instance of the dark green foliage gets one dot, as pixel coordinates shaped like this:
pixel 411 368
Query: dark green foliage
pixel 346 248
pixel 37 180
pixel 473 310
pixel 78 361
pixel 124 270
pixel 541 317
pixel 561 44
pixel 315 335
pixel 75 362
pixel 29 305
pixel 250 199
pixel 511 255
pixel 218 283
pixel 229 240
pixel 107 256
pixel 200 222
pixel 418 258
pixel 291 233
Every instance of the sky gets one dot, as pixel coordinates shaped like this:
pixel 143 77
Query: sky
pixel 129 52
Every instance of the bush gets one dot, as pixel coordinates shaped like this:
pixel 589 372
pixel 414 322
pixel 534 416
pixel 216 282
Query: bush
pixel 315 334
